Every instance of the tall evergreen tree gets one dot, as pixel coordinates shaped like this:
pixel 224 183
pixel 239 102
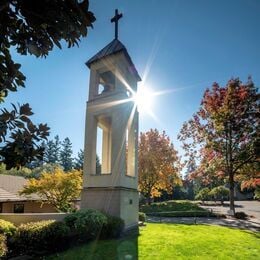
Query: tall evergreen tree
pixel 79 160
pixel 49 152
pixel 52 150
pixel 98 165
pixel 57 147
pixel 66 159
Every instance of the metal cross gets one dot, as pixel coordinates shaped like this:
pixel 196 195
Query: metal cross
pixel 115 20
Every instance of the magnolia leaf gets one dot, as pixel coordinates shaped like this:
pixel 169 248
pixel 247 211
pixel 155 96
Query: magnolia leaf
pixel 26 110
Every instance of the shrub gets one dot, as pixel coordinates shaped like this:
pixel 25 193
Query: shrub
pixel 142 216
pixel 86 223
pixel 113 228
pixel 241 215
pixel 204 194
pixel 3 248
pixel 7 228
pixel 182 214
pixel 43 235
pixel 257 193
pixel 171 206
pixel 219 193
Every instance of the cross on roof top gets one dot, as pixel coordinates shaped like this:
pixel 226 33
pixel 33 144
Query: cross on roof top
pixel 115 20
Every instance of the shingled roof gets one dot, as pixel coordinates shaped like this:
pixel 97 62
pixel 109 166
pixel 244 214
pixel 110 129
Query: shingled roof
pixel 10 187
pixel 112 48
pixel 8 196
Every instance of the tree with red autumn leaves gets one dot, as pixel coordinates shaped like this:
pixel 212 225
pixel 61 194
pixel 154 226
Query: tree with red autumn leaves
pixel 250 178
pixel 224 134
pixel 159 164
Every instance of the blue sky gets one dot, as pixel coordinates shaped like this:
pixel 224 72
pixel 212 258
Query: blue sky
pixel 183 45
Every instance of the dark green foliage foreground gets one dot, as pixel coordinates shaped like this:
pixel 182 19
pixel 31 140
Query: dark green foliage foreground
pixel 173 241
pixel 32 27
pixel 45 237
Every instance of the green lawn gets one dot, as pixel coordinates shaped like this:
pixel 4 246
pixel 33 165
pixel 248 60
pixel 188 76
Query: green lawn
pixel 173 241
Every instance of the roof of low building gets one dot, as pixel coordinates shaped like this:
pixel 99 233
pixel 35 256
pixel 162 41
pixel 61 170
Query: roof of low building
pixel 10 186
pixel 8 196
pixel 112 48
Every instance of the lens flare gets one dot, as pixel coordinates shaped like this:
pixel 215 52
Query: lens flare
pixel 143 99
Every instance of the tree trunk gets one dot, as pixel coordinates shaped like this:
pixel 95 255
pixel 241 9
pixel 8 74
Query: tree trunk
pixel 231 194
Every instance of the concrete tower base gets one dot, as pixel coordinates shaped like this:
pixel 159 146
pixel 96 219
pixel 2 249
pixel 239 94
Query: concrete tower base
pixel 116 201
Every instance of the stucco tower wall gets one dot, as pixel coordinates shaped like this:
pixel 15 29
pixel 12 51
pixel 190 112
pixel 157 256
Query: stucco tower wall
pixel 116 201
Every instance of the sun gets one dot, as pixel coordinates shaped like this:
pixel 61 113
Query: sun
pixel 143 99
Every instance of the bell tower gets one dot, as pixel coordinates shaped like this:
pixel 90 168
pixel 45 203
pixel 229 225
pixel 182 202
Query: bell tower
pixel 110 107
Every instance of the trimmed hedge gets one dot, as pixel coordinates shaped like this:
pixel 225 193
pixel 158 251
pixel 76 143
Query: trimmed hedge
pixel 181 214
pixel 43 235
pixel 113 228
pixel 175 209
pixel 142 216
pixel 86 223
pixel 3 247
pixel 241 215
pixel 171 205
pixel 90 223
pixel 7 228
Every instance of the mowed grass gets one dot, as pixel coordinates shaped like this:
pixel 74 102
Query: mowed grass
pixel 173 241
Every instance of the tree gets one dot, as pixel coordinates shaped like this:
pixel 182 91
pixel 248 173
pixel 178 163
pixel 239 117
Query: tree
pixel 257 193
pixel 79 161
pixel 35 28
pixel 52 150
pixel 66 159
pixel 207 174
pixel 56 188
pixel 203 195
pixel 28 173
pixel 224 134
pixel 251 180
pixel 22 137
pixel 23 171
pixel 159 164
pixel 192 186
pixel 219 193
pixel 46 167
pixel 98 165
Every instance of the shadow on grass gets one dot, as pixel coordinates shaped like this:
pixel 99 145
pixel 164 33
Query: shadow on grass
pixel 124 248
pixel 255 234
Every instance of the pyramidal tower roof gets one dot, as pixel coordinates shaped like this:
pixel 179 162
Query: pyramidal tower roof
pixel 112 48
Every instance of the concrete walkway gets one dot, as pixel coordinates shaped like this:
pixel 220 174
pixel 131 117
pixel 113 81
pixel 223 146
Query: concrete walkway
pixel 251 208
pixel 228 222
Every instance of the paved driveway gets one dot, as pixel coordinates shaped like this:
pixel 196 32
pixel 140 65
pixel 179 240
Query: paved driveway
pixel 251 208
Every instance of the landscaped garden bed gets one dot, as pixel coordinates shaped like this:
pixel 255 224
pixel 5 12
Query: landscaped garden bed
pixel 175 209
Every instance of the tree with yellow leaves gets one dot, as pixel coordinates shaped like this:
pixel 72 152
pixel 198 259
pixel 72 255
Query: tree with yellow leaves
pixel 56 188
pixel 159 164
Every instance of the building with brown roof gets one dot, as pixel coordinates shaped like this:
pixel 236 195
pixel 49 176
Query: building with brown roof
pixel 12 202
